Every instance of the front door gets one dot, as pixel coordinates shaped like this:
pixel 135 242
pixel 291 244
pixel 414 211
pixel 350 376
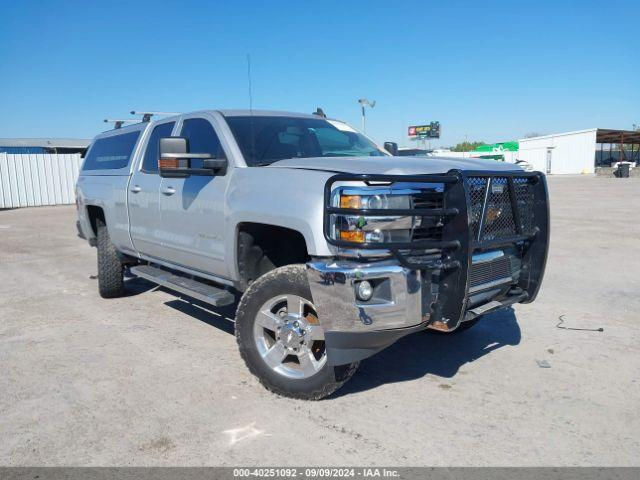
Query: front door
pixel 192 208
pixel 144 196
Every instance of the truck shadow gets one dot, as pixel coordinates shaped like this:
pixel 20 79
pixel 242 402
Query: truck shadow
pixel 135 285
pixel 427 353
pixel 218 317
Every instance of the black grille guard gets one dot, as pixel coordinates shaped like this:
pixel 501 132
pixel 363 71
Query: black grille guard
pixel 459 239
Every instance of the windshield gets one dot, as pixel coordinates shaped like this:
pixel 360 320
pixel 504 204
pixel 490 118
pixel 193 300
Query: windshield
pixel 264 140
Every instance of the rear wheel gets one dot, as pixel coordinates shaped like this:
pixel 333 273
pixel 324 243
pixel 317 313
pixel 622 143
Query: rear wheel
pixel 281 340
pixel 110 267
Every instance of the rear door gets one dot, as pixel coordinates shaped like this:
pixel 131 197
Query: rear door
pixel 144 193
pixel 105 176
pixel 192 208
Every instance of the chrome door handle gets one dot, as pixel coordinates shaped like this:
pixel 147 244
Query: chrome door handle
pixel 136 189
pixel 169 191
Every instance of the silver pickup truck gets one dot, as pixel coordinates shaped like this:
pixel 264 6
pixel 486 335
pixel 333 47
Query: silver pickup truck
pixel 336 248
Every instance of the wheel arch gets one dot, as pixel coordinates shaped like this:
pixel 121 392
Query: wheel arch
pixel 94 214
pixel 261 247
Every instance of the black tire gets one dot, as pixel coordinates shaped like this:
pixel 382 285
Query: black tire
pixel 464 326
pixel 110 268
pixel 291 279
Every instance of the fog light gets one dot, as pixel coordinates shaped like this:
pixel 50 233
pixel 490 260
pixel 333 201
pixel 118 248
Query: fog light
pixel 364 291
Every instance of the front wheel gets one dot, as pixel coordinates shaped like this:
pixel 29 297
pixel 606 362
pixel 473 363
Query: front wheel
pixel 281 340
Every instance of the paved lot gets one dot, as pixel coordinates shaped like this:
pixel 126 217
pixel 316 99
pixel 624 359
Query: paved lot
pixel 151 379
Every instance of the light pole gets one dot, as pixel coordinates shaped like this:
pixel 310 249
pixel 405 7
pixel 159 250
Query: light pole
pixel 363 103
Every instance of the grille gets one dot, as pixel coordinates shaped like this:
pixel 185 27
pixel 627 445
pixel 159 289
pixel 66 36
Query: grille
pixel 428 199
pixel 477 189
pixel 430 228
pixel 499 221
pixel 433 232
pixel 481 273
pixel 524 199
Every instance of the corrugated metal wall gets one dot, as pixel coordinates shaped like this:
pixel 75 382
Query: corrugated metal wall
pixel 570 153
pixel 31 180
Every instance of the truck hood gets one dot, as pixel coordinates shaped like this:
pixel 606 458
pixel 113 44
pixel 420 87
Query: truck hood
pixel 393 165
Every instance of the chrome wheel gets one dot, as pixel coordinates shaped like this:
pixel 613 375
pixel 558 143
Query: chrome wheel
pixel 289 337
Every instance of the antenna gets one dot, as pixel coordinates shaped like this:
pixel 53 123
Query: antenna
pixel 253 138
pixel 117 123
pixel 320 112
pixel 146 116
pixel 249 79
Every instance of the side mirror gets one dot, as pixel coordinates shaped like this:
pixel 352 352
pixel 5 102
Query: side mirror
pixel 172 151
pixel 391 147
pixel 215 164
pixel 175 159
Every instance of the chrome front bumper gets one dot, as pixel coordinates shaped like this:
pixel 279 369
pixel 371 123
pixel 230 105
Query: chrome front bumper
pixel 355 330
pixel 397 303
pixel 402 302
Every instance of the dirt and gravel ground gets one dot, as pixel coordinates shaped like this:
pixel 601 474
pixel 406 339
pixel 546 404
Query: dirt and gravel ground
pixel 152 379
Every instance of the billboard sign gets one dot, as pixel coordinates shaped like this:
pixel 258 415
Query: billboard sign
pixel 425 131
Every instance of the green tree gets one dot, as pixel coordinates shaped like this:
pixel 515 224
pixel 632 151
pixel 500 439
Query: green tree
pixel 466 146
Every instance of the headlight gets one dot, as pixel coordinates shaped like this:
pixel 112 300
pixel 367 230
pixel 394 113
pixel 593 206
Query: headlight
pixel 366 228
pixel 375 202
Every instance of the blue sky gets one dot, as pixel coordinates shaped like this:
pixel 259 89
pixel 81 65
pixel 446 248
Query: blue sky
pixel 490 70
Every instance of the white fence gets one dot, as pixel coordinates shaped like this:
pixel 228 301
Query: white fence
pixel 31 180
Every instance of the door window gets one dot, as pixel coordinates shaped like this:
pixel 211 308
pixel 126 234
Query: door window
pixel 150 162
pixel 202 139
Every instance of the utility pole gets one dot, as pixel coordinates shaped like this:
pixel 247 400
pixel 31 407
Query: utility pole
pixel 364 102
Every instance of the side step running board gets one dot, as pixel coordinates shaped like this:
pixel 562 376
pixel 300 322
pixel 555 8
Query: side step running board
pixel 217 297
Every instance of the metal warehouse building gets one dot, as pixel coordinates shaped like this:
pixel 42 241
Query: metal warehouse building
pixel 595 150
pixel 43 145
pixel 39 171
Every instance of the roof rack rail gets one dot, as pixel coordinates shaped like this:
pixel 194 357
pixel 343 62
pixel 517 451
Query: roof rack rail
pixel 146 116
pixel 117 123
